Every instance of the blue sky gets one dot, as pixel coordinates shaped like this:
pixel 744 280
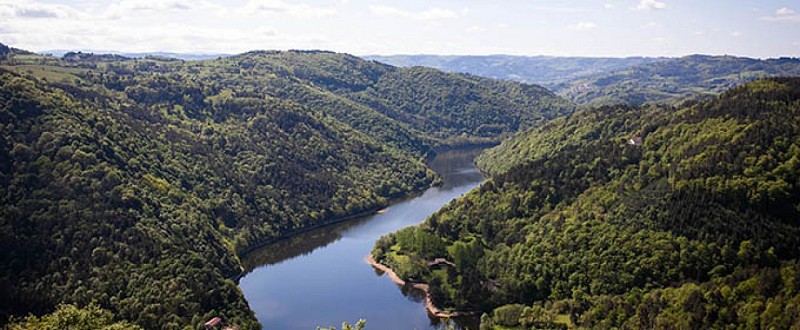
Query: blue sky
pixel 767 28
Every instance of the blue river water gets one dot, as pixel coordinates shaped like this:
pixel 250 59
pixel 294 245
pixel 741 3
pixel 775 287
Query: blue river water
pixel 320 278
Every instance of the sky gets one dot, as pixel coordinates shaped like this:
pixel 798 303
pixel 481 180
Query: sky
pixel 617 28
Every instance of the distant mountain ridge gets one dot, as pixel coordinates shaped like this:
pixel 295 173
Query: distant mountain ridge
pixel 675 80
pixel 180 56
pixel 548 71
pixel 604 81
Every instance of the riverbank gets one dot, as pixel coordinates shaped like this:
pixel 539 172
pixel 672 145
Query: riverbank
pixel 431 154
pixel 296 282
pixel 429 305
pixel 261 244
pixel 244 252
pixel 428 158
pixel 391 199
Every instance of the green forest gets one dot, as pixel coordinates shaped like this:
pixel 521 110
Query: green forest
pixel 131 187
pixel 631 217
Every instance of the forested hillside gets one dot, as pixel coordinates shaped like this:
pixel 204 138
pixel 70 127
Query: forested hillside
pixel 121 206
pixel 132 184
pixel 628 217
pixel 454 109
pixel 412 108
pixel 674 80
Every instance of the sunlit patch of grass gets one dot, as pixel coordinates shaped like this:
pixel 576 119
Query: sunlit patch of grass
pixel 49 73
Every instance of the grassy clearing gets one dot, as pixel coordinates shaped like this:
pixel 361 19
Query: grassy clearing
pixel 49 73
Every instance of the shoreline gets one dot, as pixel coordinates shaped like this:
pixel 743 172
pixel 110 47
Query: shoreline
pixel 429 306
pixel 291 234
pixel 375 209
pixel 431 154
pixel 243 253
pixel 370 211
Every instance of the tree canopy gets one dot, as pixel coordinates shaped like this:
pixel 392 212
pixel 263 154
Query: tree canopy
pixel 135 184
pixel 692 223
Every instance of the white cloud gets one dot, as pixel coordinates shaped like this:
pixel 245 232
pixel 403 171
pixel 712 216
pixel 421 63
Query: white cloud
pixel 436 13
pixel 651 5
pixel 609 6
pixel 583 26
pixel 388 11
pixel 386 27
pixel 650 25
pixel 559 9
pixel 280 7
pixel 265 31
pixel 736 34
pixel 135 8
pixel 31 10
pixel 783 15
pixel 131 26
pixel 429 14
pixel 476 29
pixel 155 5
pixel 267 5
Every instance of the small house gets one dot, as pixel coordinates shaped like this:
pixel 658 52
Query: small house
pixel 439 262
pixel 635 141
pixel 213 323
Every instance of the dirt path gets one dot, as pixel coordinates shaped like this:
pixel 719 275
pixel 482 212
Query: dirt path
pixel 432 309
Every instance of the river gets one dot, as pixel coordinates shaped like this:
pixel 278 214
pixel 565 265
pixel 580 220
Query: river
pixel 320 278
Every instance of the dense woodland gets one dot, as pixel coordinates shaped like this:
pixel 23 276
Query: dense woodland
pixel 129 187
pixel 90 317
pixel 632 217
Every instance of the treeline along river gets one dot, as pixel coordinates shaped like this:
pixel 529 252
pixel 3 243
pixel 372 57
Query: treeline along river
pixel 320 278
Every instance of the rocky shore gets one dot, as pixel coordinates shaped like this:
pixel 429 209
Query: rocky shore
pixel 432 309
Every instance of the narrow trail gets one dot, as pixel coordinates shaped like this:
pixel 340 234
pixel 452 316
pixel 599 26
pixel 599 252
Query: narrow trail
pixel 432 309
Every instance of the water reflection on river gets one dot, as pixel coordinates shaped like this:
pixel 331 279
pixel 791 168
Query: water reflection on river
pixel 319 278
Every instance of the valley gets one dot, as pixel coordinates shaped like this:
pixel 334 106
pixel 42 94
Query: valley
pixel 161 193
pixel 136 184
pixel 288 284
pixel 689 225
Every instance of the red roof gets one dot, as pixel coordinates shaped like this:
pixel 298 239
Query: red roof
pixel 214 322
pixel 439 261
